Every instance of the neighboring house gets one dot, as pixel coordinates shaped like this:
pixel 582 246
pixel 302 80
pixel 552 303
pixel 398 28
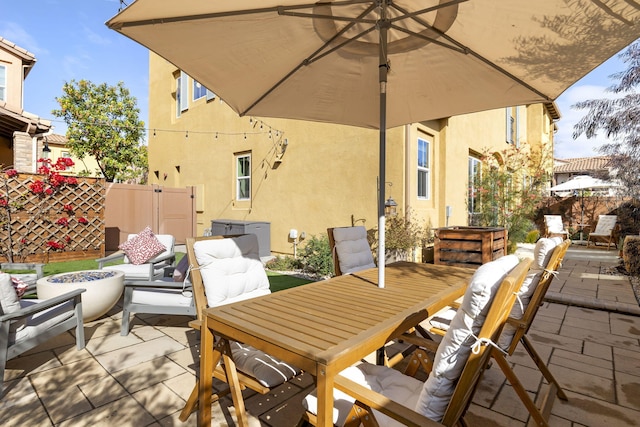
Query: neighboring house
pixel 308 176
pixel 57 146
pixel 565 169
pixel 21 132
pixel 23 135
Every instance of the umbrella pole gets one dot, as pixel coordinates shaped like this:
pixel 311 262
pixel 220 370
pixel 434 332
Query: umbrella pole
pixel 383 68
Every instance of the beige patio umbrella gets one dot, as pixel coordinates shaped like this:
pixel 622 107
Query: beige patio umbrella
pixel 381 63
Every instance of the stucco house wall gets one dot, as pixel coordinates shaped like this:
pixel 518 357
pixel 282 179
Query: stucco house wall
pixel 306 175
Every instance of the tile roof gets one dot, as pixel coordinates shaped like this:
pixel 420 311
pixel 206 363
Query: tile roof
pixel 26 56
pixel 582 164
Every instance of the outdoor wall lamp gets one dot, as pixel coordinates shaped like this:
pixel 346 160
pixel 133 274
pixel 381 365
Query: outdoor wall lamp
pixel 46 150
pixel 390 207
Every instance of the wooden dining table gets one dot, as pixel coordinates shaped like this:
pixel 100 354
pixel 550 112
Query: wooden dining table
pixel 324 327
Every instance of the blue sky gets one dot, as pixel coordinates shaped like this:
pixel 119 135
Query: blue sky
pixel 70 41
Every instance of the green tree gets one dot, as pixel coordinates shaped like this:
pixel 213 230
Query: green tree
pixel 102 121
pixel 619 120
pixel 510 186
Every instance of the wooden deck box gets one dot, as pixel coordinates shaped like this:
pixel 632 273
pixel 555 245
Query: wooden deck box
pixel 469 246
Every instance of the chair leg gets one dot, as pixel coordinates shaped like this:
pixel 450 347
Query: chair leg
pixel 528 346
pixel 80 341
pixel 126 302
pixel 519 389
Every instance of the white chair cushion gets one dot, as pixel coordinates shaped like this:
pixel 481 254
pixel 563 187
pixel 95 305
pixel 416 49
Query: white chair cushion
pixel 162 297
pixel 542 252
pixel 268 370
pixel 231 269
pixel 135 272
pixel 554 224
pixel 453 350
pixel 9 302
pixel 42 320
pixel 352 248
pixel 389 382
pixel 605 225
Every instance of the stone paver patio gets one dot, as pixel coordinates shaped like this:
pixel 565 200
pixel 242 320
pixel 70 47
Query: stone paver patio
pixel 588 331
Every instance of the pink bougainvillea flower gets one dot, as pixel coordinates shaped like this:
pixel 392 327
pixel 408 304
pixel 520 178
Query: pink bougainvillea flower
pixel 68 208
pixel 37 187
pixel 71 180
pixel 55 245
pixel 3 202
pixel 11 173
pixel 83 220
pixel 63 221
pixel 48 191
pixel 67 239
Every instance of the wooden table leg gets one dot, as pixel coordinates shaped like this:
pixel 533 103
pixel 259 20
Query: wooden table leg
pixel 324 385
pixel 234 385
pixel 206 374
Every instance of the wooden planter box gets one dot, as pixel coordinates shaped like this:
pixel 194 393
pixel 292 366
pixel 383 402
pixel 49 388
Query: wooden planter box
pixel 469 246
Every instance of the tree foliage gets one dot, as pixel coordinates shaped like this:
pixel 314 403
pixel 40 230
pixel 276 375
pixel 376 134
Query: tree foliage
pixel 509 187
pixel 102 121
pixel 619 120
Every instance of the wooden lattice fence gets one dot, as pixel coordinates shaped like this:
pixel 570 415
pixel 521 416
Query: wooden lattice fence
pixel 36 220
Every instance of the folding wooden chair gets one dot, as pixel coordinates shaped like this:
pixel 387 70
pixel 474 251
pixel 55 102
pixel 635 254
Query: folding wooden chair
pixel 604 232
pixel 215 264
pixel 515 331
pixel 378 395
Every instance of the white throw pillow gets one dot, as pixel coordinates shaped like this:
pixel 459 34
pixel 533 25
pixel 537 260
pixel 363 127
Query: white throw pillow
pixel 455 347
pixel 9 302
pixel 542 252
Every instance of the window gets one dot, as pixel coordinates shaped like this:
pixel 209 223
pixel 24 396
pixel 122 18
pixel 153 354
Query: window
pixel 243 177
pixel 513 126
pixel 210 95
pixel 182 90
pixel 473 196
pixel 199 91
pixel 423 169
pixel 3 83
pixel 66 155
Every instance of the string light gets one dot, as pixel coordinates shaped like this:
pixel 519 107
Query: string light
pixel 265 128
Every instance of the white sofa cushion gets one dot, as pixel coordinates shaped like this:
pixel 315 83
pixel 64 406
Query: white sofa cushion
pixel 542 252
pixel 231 269
pixel 43 320
pixel 453 350
pixel 352 248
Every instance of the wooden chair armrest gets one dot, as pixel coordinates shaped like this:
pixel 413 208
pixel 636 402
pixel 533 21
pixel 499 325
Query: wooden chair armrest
pixel 382 404
pixel 425 343
pixel 195 324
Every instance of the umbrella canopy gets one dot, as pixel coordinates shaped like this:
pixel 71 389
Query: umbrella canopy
pixel 583 182
pixel 381 63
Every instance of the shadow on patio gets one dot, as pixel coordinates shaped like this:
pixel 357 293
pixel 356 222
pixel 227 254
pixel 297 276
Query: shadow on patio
pixel 588 331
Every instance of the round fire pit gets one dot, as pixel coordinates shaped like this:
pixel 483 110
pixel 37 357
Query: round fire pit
pixel 103 289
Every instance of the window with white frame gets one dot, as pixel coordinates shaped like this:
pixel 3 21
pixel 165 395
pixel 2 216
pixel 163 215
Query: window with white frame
pixel 3 83
pixel 473 196
pixel 512 126
pixel 423 168
pixel 182 93
pixel 243 176
pixel 199 91
pixel 66 155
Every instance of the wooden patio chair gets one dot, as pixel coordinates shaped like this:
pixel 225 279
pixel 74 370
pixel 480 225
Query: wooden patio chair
pixel 378 395
pixel 547 261
pixel 350 249
pixel 554 226
pixel 223 270
pixel 605 231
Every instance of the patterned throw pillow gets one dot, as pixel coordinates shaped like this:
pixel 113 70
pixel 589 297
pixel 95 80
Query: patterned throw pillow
pixel 142 247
